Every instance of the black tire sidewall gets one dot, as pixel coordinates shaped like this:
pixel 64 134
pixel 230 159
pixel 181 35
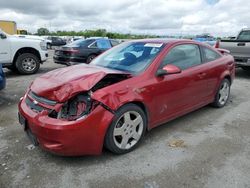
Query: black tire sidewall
pixel 19 60
pixel 216 102
pixel 89 58
pixel 109 141
pixel 48 46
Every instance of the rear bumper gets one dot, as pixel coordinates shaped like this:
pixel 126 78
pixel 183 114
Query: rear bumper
pixel 242 61
pixel 68 138
pixel 68 60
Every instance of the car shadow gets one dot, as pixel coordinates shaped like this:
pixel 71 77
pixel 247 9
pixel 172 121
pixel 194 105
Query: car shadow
pixel 240 73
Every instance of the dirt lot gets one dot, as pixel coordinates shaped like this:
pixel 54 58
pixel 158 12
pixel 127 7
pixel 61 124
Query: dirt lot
pixel 215 153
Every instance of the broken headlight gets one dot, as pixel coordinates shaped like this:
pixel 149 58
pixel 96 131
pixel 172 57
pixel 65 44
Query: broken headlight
pixel 76 108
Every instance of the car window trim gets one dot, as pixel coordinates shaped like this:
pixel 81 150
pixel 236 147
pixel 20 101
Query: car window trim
pixel 199 47
pixel 89 46
pixel 203 54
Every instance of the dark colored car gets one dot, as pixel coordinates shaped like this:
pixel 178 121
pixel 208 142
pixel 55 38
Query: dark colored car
pixel 83 50
pixel 2 78
pixel 55 41
pixel 125 91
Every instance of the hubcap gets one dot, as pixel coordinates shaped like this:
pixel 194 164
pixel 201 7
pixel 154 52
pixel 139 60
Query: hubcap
pixel 128 130
pixel 29 64
pixel 224 93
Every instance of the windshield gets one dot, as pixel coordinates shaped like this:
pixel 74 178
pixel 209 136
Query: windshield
pixel 133 57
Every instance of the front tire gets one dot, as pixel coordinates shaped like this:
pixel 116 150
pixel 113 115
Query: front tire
pixel 222 94
pixel 126 130
pixel 27 63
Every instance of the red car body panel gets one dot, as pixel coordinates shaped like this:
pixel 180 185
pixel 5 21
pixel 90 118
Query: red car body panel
pixel 69 137
pixel 62 84
pixel 163 99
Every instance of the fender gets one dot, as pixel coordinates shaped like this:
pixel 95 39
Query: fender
pixel 114 99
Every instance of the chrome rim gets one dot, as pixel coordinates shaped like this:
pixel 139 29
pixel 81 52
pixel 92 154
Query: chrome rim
pixel 224 93
pixel 128 130
pixel 29 64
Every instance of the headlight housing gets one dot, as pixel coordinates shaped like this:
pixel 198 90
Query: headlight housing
pixel 43 45
pixel 76 108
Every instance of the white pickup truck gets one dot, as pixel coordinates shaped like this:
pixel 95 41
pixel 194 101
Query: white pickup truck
pixel 22 54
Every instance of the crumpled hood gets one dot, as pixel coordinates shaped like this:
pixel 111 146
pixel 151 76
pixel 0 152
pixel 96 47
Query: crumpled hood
pixel 64 83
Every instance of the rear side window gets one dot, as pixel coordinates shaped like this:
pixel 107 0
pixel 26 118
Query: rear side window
pixel 103 44
pixel 114 42
pixel 183 56
pixel 80 43
pixel 244 35
pixel 209 55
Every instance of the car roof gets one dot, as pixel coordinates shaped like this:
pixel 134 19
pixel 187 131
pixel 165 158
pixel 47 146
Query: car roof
pixel 162 40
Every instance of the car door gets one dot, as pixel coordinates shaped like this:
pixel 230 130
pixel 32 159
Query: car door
pixel 179 93
pixel 5 49
pixel 214 65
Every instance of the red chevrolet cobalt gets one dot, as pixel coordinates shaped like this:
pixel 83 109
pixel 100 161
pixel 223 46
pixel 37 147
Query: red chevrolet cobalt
pixel 123 93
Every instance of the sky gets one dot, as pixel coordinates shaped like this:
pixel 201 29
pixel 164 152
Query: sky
pixel 159 17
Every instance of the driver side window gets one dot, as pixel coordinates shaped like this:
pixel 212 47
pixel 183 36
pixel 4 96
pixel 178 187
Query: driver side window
pixel 183 56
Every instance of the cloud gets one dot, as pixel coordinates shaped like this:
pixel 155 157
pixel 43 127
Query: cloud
pixel 163 17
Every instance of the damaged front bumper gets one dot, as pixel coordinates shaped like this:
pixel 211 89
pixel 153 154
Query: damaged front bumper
pixel 68 138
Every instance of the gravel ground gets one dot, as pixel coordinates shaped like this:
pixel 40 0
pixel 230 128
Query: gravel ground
pixel 215 152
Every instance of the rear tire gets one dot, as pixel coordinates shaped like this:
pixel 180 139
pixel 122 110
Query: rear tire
pixel 126 130
pixel 90 58
pixel 222 94
pixel 27 63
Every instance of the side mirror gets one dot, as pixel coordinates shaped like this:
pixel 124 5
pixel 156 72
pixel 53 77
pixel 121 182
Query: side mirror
pixel 3 36
pixel 168 69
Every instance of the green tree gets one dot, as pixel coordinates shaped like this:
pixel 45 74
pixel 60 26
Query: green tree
pixel 43 31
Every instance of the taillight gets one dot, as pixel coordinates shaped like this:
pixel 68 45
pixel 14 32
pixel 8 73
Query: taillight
pixel 73 51
pixel 70 51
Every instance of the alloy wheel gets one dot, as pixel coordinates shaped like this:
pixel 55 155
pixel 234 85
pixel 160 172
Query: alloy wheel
pixel 28 64
pixel 128 130
pixel 224 93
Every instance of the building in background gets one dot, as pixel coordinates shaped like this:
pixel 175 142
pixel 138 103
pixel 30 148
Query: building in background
pixel 9 27
pixel 22 32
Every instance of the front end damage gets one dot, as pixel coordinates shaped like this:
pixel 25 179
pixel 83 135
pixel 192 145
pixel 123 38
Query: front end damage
pixel 73 126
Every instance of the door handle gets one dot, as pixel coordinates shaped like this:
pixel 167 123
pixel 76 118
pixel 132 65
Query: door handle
pixel 241 44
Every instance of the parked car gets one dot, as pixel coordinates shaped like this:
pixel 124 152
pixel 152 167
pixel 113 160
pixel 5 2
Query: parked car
pixel 2 78
pixel 22 54
pixel 55 41
pixel 206 38
pixel 125 91
pixel 82 50
pixel 239 48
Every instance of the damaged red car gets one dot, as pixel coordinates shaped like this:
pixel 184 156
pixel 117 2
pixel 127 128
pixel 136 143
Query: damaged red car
pixel 123 93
